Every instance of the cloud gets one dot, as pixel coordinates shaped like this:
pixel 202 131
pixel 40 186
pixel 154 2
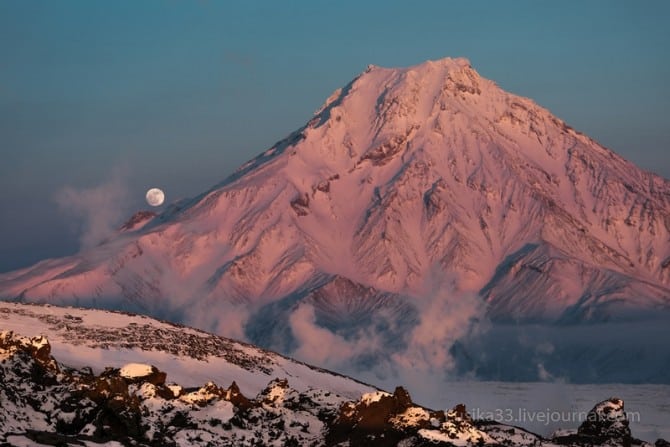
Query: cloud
pixel 220 317
pixel 385 346
pixel 99 210
pixel 445 316
pixel 315 343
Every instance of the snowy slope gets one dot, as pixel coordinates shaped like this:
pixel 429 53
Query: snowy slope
pixel 411 190
pixel 98 339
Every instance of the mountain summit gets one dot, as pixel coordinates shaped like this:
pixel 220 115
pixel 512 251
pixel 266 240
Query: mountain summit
pixel 405 178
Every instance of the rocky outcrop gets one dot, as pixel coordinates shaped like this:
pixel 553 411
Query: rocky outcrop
pixel 134 405
pixel 607 420
pixel 382 419
pixel 42 402
pixel 606 424
pixel 37 348
pixel 137 220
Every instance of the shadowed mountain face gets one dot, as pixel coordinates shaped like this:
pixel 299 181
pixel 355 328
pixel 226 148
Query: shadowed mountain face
pixel 412 193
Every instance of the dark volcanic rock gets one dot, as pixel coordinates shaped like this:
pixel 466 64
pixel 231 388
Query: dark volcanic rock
pixel 607 420
pixel 382 419
pixel 234 396
pixel 137 218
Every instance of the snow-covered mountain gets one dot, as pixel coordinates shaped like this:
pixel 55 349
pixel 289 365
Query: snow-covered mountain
pixel 109 392
pixel 415 198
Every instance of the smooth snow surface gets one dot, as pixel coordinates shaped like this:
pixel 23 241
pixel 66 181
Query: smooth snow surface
pixel 133 370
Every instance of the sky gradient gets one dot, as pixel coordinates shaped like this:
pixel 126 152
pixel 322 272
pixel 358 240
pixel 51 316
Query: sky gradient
pixel 178 94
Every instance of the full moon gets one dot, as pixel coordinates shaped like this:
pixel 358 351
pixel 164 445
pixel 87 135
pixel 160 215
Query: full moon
pixel 155 197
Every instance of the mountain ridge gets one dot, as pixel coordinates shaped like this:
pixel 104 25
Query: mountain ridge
pixel 426 181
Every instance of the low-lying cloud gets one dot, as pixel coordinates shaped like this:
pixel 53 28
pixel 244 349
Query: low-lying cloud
pixel 445 316
pixel 386 348
pixel 97 210
pixel 344 351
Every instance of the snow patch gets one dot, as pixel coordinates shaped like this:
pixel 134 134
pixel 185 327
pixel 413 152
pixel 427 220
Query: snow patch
pixel 376 396
pixel 135 370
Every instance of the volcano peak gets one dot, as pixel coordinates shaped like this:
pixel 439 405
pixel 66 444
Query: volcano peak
pixel 404 175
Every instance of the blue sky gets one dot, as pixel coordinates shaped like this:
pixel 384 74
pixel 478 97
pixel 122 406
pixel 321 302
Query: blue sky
pixel 177 94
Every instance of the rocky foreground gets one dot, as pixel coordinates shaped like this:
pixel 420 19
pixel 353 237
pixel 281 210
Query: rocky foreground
pixel 43 402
